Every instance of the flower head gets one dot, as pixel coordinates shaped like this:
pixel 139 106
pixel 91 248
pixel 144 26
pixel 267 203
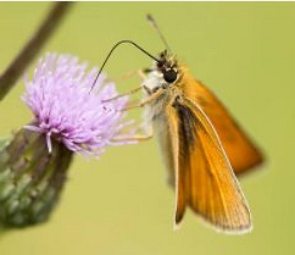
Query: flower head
pixel 65 108
pixel 68 117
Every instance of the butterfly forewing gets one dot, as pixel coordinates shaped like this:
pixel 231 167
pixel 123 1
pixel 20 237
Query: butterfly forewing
pixel 204 177
pixel 241 151
pixel 180 192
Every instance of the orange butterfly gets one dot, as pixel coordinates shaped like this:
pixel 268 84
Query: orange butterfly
pixel 203 146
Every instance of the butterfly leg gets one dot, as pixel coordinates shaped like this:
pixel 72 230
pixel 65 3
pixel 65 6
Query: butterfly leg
pixel 133 91
pixel 136 137
pixel 146 101
pixel 141 73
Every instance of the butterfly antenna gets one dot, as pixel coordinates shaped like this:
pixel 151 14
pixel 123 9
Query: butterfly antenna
pixel 154 24
pixel 111 51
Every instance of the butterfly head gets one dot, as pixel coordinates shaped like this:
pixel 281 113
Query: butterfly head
pixel 167 66
pixel 164 73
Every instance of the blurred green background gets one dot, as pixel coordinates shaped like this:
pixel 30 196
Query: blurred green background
pixel 120 204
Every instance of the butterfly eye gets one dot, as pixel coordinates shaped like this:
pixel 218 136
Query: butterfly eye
pixel 170 75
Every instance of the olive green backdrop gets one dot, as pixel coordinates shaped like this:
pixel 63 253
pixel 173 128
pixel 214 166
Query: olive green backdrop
pixel 120 204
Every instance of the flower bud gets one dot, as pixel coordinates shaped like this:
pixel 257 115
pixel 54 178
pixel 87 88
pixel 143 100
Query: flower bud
pixel 31 178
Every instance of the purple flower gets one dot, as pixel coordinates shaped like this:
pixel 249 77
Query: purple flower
pixel 66 110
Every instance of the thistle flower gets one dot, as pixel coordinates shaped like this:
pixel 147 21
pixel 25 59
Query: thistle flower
pixel 65 109
pixel 68 118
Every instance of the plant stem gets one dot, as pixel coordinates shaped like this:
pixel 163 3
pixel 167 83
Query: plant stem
pixel 32 47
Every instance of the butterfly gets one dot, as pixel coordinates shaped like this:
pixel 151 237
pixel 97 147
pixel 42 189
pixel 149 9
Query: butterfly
pixel 203 147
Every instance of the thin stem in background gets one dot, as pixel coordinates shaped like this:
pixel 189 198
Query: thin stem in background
pixel 32 47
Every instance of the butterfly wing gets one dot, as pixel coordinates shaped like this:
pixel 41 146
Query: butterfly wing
pixel 175 173
pixel 241 151
pixel 204 178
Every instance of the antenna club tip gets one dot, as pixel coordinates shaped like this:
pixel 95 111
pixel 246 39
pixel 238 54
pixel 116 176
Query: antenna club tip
pixel 154 24
pixel 149 17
